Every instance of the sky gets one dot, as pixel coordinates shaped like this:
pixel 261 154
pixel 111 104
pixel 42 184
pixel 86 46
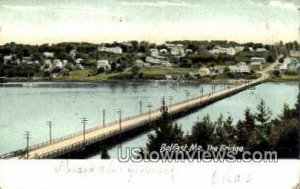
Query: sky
pixel 97 21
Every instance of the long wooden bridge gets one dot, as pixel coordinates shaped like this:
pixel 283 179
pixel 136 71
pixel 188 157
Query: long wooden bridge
pixel 68 144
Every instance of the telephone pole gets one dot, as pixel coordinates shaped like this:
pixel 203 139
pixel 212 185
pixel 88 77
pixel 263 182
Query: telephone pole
pixel 120 119
pixel 141 104
pixel 27 137
pixel 170 100
pixel 49 123
pixel 103 119
pixel 84 121
pixel 149 107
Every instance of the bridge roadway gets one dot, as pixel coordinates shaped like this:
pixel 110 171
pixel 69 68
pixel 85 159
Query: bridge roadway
pixel 73 142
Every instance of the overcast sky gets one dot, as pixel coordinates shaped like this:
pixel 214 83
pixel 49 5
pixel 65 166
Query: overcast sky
pixel 40 21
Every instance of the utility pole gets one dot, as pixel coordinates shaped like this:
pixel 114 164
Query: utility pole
pixel 201 90
pixel 149 107
pixel 84 121
pixel 103 119
pixel 120 119
pixel 27 137
pixel 187 94
pixel 49 123
pixel 141 110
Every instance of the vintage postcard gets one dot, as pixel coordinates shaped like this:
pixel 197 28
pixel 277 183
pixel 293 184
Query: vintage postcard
pixel 127 91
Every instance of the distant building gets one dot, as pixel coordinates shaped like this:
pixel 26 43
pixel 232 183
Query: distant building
pixel 242 67
pixel 295 54
pixel 57 63
pixel 154 52
pixel 104 64
pixel 114 50
pixel 260 50
pixel 139 63
pixel 204 72
pixel 78 60
pixel 256 66
pixel 73 53
pixel 258 59
pixel 239 48
pixel 176 49
pixel 48 54
pixel 7 59
pixel 221 50
pixel 152 60
pixel 289 64
pixel 163 52
pixel 27 60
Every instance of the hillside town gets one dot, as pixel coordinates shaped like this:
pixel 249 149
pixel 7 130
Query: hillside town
pixel 196 59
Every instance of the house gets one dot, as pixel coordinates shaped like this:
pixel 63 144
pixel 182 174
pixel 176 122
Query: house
pixel 188 51
pixel 221 50
pixel 103 64
pixel 239 48
pixel 48 54
pixel 27 60
pixel 114 50
pixel 255 66
pixel 242 67
pixel 166 63
pixel 261 50
pixel 258 59
pixel 72 53
pixel 176 49
pixel 163 52
pixel 7 59
pixel 153 60
pixel 154 52
pixel 204 72
pixel 57 63
pixel 78 60
pixel 289 64
pixel 65 62
pixel 295 54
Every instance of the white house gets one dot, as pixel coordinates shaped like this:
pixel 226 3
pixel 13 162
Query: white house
pixel 221 50
pixel 78 60
pixel 242 67
pixel 139 63
pixel 72 53
pixel 7 59
pixel 104 64
pixel 163 51
pixel 79 67
pixel 114 50
pixel 176 49
pixel 258 59
pixel 204 72
pixel 239 48
pixel 48 54
pixel 260 50
pixel 295 54
pixel 152 60
pixel 154 52
pixel 57 63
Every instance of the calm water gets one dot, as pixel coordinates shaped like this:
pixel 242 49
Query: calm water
pixel 30 106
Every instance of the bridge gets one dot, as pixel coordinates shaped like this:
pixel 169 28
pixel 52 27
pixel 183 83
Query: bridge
pixel 76 141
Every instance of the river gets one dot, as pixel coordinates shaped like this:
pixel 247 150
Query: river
pixel 28 106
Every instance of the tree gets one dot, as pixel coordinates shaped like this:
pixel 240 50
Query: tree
pixel 165 132
pixel 263 115
pixel 202 132
pixel 246 130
